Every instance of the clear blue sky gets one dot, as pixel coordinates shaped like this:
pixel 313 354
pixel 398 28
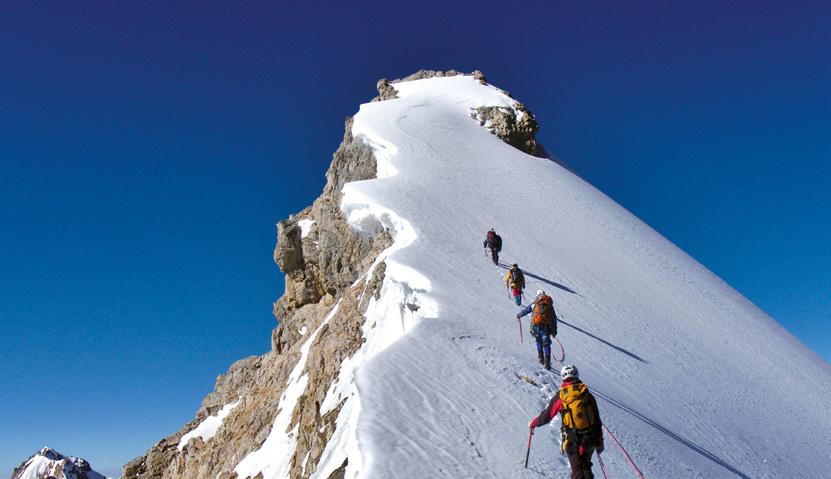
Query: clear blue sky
pixel 147 151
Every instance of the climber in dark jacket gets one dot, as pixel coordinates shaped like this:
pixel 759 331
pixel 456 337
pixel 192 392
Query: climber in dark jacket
pixel 493 242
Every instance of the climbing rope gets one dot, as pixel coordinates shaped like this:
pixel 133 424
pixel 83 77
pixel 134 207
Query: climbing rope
pixel 626 454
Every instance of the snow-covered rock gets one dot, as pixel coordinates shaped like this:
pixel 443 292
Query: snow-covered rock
pixel 398 354
pixel 48 463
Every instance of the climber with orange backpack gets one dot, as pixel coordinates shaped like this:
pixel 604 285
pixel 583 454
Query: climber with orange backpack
pixel 543 325
pixel 582 431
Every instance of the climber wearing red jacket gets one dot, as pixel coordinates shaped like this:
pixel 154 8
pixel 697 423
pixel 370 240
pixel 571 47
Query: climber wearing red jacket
pixel 582 431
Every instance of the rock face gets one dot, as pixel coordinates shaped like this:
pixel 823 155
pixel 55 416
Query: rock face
pixel 49 463
pixel 320 267
pixel 322 258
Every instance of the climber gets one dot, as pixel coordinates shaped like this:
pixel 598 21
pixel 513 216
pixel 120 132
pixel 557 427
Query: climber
pixel 493 242
pixel 515 281
pixel 543 325
pixel 581 432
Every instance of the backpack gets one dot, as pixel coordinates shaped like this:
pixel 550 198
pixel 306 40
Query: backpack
pixel 497 243
pixel 579 410
pixel 544 311
pixel 518 278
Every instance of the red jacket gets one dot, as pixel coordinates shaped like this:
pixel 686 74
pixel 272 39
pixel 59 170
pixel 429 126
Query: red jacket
pixel 554 407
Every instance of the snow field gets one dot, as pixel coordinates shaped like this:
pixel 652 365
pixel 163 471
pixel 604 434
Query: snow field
pixel 681 363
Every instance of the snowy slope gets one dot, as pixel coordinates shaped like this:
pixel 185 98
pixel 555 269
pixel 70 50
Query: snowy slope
pixel 692 378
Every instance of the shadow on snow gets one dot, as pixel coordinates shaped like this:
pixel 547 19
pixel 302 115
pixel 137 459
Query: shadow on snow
pixel 686 442
pixel 544 280
pixel 607 343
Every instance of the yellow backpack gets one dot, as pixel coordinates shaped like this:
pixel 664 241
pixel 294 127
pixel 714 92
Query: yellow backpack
pixel 578 411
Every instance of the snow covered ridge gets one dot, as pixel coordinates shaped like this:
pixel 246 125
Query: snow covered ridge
pixel 397 353
pixel 442 399
pixel 50 463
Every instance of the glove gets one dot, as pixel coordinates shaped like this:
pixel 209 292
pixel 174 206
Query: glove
pixel 599 445
pixel 518 316
pixel 531 424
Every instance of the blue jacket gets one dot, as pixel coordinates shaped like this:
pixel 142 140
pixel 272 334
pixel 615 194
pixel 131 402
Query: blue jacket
pixel 524 311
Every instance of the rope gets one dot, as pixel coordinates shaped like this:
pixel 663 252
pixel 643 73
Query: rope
pixel 602 466
pixel 626 454
pixel 562 351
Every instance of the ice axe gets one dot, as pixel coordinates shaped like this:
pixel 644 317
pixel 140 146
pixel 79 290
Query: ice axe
pixel 528 451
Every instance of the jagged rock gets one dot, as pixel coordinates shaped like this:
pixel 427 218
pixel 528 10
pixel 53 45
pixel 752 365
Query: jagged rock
pixel 320 270
pixel 516 126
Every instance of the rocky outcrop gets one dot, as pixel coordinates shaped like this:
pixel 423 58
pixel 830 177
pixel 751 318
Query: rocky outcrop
pixel 515 126
pixel 321 264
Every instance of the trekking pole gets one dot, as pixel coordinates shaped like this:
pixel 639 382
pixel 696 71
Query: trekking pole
pixel 602 466
pixel 528 451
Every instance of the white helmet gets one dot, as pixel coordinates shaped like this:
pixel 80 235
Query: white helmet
pixel 569 372
pixel 540 293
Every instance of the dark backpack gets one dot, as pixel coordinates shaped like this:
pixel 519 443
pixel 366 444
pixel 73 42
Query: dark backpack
pixel 518 278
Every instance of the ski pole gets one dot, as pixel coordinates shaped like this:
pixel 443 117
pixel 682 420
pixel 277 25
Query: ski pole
pixel 528 451
pixel 602 466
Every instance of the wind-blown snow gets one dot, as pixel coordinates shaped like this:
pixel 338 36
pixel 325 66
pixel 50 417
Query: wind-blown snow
pixel 693 379
pixel 209 426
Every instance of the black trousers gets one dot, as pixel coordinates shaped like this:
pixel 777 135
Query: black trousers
pixel 495 256
pixel 581 464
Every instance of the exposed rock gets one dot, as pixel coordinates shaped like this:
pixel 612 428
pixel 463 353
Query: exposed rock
pixel 321 269
pixel 516 126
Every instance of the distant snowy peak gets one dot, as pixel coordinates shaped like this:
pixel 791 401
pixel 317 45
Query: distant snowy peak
pixel 49 463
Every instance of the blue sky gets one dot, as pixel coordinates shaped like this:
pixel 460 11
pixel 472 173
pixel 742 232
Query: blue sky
pixel 146 152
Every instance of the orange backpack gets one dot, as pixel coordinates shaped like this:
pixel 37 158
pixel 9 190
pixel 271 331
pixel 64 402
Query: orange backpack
pixel 544 311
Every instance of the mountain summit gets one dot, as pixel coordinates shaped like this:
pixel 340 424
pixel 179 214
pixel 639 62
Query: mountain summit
pixel 397 353
pixel 50 464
